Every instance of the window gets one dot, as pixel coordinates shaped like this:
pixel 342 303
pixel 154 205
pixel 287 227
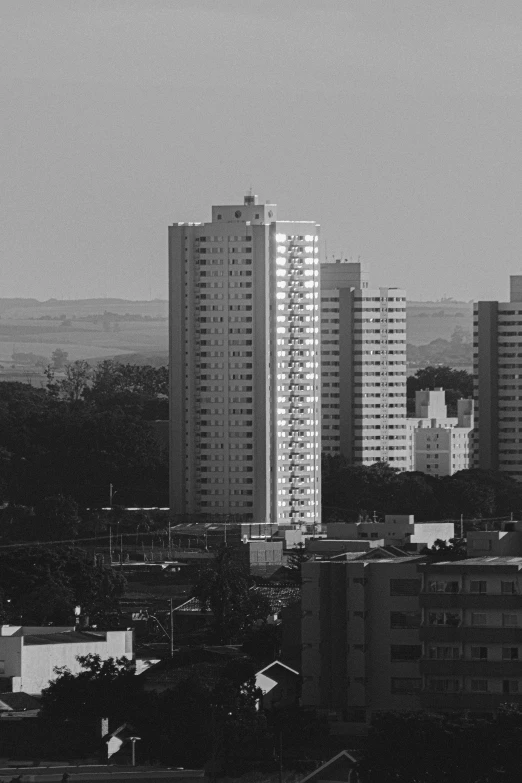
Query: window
pixel 479 685
pixel 478 587
pixel 443 686
pixel 479 652
pixel 405 619
pixel 478 618
pixel 509 619
pixel 404 586
pixel 443 587
pixel 509 686
pixel 508 588
pixel 444 653
pixel 510 653
pixel 444 618
pixel 406 684
pixel 405 652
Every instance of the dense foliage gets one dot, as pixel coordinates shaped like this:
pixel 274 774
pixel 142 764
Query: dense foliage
pixel 351 491
pixel 42 585
pixel 420 747
pixel 224 589
pixel 90 428
pixel 208 716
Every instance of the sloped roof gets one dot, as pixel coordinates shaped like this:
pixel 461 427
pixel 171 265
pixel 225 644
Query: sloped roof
pixel 19 702
pixel 277 663
pixel 334 769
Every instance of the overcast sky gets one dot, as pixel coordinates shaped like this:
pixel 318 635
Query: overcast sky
pixel 394 124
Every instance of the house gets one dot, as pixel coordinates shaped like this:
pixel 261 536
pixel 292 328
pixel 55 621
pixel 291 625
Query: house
pixel 279 684
pixel 18 705
pixel 29 655
pixel 340 769
pixel 119 742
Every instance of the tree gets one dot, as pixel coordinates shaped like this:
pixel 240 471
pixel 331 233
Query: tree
pixel 73 387
pixel 59 358
pixel 64 575
pixel 56 518
pixel 74 704
pixel 454 549
pixel 457 384
pixel 421 747
pixel 224 589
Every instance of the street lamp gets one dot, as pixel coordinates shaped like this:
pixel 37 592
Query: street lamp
pixel 134 740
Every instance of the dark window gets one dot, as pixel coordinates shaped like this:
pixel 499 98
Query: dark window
pixel 405 652
pixel 405 586
pixel 406 684
pixel 405 619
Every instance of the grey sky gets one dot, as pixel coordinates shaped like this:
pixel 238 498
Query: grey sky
pixel 396 125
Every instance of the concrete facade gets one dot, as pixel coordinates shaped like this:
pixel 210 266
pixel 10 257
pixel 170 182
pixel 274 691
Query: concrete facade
pixel 363 356
pixel 245 366
pixel 29 655
pixel 407 634
pixel 360 638
pixel 497 360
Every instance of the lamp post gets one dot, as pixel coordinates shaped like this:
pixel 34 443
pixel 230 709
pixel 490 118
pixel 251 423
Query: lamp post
pixel 134 740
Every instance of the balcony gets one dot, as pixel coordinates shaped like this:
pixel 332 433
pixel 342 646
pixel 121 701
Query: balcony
pixel 470 668
pixel 464 700
pixel 470 601
pixel 482 634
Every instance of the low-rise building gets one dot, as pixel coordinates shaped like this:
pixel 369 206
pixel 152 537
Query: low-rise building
pixel 29 655
pixel 438 444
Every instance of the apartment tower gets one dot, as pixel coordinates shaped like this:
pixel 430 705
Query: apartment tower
pixel 497 360
pixel 363 360
pixel 244 364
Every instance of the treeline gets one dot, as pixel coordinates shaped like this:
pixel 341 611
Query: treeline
pixel 87 430
pixel 353 491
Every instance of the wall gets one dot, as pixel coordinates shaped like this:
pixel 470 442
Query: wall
pixel 40 660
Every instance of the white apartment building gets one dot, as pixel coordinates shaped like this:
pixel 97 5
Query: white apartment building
pixel 244 365
pixel 363 366
pixel 438 444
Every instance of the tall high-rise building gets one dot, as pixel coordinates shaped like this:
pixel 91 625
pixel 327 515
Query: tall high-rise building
pixel 245 366
pixel 363 366
pixel 497 359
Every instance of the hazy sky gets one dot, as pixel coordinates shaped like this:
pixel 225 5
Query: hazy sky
pixel 396 125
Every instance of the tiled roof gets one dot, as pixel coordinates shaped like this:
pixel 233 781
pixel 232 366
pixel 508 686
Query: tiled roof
pixel 19 702
pixel 279 598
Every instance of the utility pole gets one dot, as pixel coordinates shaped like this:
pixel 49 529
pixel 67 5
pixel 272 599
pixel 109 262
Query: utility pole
pixel 462 525
pixel 110 495
pixel 280 755
pixel 171 632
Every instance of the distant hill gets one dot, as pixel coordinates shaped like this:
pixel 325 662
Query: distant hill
pixel 137 331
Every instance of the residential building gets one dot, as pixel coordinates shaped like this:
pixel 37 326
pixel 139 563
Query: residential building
pixel 363 366
pixel 471 634
pixel 29 655
pixel 395 530
pixel 403 633
pixel 244 364
pixel 279 685
pixel 497 360
pixel 360 638
pixel 438 444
